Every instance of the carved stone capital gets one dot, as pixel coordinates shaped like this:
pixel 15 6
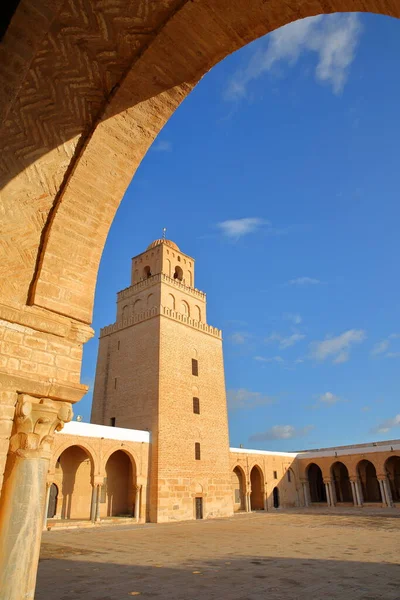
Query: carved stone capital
pixel 36 420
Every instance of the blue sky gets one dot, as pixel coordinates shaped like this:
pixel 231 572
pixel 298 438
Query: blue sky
pixel 279 175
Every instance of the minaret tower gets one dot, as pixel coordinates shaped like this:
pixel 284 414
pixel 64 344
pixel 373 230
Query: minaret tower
pixel 160 368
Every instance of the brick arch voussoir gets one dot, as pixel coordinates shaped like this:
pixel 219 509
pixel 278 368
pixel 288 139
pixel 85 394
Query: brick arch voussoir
pixel 133 457
pixel 186 44
pixel 91 452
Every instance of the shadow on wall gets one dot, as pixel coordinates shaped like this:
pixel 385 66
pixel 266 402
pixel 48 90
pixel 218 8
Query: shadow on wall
pixel 239 578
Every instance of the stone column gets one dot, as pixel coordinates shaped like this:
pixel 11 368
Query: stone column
pixel 385 490
pixel 328 492
pixel 248 501
pixel 93 503
pixel 98 497
pixel 138 493
pixel 46 505
pixel 388 492
pixel 306 492
pixel 353 492
pixel 357 493
pixel 24 491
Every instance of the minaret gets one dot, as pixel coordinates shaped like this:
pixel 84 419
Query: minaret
pixel 160 368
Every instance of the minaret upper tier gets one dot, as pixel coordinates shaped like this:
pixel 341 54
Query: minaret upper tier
pixel 163 256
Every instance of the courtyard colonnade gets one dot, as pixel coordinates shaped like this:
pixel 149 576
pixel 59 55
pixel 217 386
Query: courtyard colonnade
pixel 361 477
pixel 86 87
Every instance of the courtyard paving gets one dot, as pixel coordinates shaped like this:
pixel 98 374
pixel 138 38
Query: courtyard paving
pixel 281 555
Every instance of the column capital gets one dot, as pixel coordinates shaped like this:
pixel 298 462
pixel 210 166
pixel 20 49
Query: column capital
pixel 327 480
pixel 381 476
pixel 354 478
pixel 36 420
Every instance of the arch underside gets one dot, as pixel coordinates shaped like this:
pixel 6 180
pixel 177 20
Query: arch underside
pixel 69 151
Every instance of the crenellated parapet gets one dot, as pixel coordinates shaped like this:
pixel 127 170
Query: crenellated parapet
pixel 166 312
pixel 154 279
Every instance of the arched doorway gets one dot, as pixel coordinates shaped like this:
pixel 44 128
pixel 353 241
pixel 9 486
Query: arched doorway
pixel 53 497
pixel 238 488
pixel 341 480
pixel 120 478
pixel 73 476
pixel 392 468
pixel 275 494
pixel 257 494
pixel 369 481
pixel 316 483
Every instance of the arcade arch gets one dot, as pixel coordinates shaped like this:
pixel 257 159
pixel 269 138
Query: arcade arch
pixel 341 482
pixel 119 497
pixel 316 483
pixel 392 468
pixel 369 481
pixel 257 491
pixel 73 476
pixel 239 489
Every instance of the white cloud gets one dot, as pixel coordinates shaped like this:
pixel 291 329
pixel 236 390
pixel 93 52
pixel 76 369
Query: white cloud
pixel 295 318
pixel 277 359
pixel 304 281
pixel 337 348
pixel 243 398
pixel 387 425
pixel 333 38
pixel 285 342
pixel 281 432
pixel 239 337
pixel 236 228
pixel 162 146
pixel 383 346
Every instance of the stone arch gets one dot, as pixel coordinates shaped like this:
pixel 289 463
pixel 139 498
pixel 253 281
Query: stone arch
pixel 171 301
pixel 178 273
pixel 341 482
pixel 239 488
pixel 146 272
pixel 137 307
pixel 168 266
pixel 150 300
pixel 197 313
pixel 56 453
pixel 369 481
pixel 74 476
pixel 53 501
pixel 392 469
pixel 316 483
pixel 125 312
pixel 119 125
pixel 257 488
pixel 190 278
pixel 120 479
pixel 185 308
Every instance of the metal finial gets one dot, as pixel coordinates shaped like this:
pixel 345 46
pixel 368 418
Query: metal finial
pixel 164 231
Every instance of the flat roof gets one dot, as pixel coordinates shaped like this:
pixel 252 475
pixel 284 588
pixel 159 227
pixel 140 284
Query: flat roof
pixel 103 431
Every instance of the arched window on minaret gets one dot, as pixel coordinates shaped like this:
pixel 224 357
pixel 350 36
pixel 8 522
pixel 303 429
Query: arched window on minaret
pixel 178 273
pixel 171 301
pixel 125 312
pixel 137 307
pixel 190 277
pixel 146 272
pixel 197 313
pixel 185 310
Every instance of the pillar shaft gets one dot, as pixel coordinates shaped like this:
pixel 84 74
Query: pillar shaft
pixel 46 506
pixel 93 503
pixel 24 493
pixel 388 492
pixel 306 493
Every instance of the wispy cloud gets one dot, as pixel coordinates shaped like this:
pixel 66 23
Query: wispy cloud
pixel 237 228
pixel 303 281
pixel 269 359
pixel 243 398
pixel 281 432
pixel 387 425
pixel 383 346
pixel 162 146
pixel 327 399
pixel 332 38
pixel 239 337
pixel 337 348
pixel 285 342
pixel 295 318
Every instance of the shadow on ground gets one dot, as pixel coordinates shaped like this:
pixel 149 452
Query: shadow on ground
pixel 248 578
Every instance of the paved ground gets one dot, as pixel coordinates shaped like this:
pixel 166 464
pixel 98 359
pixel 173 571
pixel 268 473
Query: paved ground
pixel 281 555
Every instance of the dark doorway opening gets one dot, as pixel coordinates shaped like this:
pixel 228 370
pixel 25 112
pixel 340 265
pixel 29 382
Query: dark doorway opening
pixel 52 508
pixel 275 494
pixel 199 508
